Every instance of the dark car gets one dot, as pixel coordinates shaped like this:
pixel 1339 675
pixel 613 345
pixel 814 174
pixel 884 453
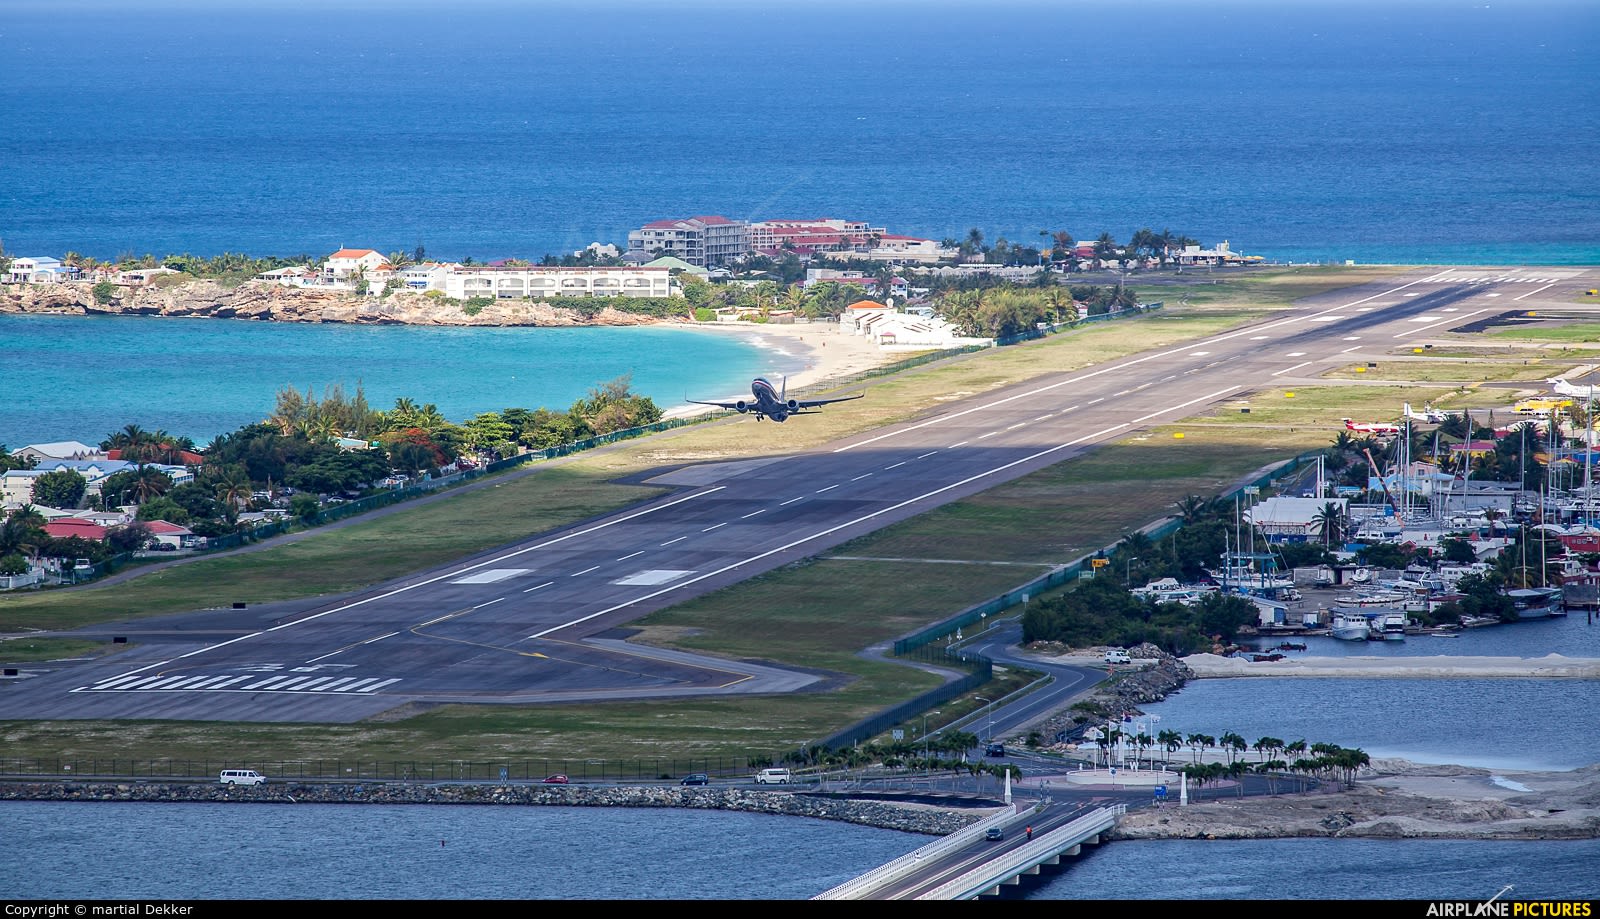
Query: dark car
pixel 994 834
pixel 557 779
pixel 995 749
pixel 696 778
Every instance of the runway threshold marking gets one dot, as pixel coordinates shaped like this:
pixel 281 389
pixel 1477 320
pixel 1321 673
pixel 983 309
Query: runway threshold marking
pixel 1187 350
pixel 1103 432
pixel 454 573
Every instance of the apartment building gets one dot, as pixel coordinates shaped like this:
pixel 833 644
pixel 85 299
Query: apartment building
pixel 704 241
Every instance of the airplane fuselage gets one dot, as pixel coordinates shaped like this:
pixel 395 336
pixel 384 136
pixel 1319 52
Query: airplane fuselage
pixel 768 402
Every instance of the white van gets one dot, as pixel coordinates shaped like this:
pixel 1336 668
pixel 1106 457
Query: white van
pixel 1118 656
pixel 773 777
pixel 242 777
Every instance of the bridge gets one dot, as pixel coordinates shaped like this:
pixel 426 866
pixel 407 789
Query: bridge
pixel 967 865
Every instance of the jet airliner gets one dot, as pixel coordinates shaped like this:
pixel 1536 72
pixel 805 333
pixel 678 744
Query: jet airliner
pixel 1378 428
pixel 768 401
pixel 1563 388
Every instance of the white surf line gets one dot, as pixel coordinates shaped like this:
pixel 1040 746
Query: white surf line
pixel 451 574
pixel 753 513
pixel 1131 362
pixel 715 526
pixel 671 541
pixel 1445 321
pixel 624 558
pixel 892 508
pixel 540 587
pixel 1295 367
pixel 584 571
pixel 1534 291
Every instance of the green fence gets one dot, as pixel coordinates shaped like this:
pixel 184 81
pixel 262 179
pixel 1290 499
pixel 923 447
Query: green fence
pixel 514 769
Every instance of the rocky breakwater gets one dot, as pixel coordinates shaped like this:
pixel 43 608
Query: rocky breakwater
pixel 1152 675
pixel 923 819
pixel 277 303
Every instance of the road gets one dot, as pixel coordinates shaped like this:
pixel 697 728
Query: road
pixel 539 621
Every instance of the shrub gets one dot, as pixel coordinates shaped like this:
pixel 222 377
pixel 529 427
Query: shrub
pixel 104 292
pixel 701 314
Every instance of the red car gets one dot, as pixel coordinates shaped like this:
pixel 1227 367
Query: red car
pixel 557 779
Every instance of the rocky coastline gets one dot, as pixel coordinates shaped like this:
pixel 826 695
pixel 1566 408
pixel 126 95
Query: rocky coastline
pixel 909 818
pixel 268 302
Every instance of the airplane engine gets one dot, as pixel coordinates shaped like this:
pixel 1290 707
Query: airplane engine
pixel 741 406
pixel 794 404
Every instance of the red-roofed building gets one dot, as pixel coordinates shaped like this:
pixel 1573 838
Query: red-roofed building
pixel 64 527
pixel 702 241
pixel 183 457
pixel 347 263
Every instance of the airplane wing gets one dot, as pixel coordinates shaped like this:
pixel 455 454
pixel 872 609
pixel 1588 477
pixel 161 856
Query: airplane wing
pixel 730 406
pixel 813 403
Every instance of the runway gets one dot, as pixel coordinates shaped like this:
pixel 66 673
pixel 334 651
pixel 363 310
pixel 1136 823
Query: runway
pixel 535 622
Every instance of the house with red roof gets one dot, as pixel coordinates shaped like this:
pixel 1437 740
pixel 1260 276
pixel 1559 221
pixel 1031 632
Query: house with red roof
pixel 171 534
pixel 64 527
pixel 347 264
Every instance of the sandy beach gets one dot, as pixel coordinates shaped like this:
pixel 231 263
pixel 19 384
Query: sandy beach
pixel 817 351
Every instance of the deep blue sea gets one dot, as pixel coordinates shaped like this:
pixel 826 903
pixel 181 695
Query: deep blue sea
pixel 1398 132
pixel 1440 131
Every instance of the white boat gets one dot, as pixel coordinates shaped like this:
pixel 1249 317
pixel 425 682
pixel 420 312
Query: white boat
pixel 1387 627
pixel 1350 625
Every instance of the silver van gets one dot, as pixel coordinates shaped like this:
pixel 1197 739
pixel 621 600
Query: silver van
pixel 773 777
pixel 242 777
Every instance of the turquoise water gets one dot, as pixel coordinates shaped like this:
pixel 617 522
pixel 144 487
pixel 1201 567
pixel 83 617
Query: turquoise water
pixel 81 378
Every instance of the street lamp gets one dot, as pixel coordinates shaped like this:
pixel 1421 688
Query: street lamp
pixel 990 735
pixel 925 769
pixel 1127 571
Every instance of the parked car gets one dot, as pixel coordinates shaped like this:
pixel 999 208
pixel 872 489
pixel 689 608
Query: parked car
pixel 696 778
pixel 995 749
pixel 557 779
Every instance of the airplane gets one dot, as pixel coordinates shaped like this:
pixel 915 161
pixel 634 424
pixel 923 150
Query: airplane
pixel 1429 415
pixel 1382 430
pixel 1563 388
pixel 773 402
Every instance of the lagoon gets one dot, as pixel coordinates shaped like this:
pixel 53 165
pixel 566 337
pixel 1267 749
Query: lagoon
pixel 81 378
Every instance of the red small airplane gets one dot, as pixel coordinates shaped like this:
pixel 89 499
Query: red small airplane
pixel 1370 427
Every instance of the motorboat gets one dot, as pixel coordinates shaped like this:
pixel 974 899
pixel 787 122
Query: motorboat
pixel 1536 602
pixel 1387 627
pixel 1351 625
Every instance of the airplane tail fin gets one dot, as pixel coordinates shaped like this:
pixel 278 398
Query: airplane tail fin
pixel 783 388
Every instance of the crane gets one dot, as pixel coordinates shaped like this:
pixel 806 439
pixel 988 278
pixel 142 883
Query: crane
pixel 1388 496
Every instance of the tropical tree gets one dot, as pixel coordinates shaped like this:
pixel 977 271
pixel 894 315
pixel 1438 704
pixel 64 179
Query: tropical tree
pixel 1170 741
pixel 148 482
pixel 1234 745
pixel 1199 743
pixel 1330 523
pixel 22 532
pixel 63 488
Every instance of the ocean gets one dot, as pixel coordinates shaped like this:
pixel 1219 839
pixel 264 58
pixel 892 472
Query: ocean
pixel 1417 131
pixel 1442 132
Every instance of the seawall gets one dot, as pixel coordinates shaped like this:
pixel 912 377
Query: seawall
pixel 918 818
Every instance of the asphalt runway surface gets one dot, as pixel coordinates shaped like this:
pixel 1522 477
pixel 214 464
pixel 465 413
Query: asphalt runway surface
pixel 540 621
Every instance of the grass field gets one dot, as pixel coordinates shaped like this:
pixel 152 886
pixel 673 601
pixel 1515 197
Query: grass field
pixel 819 614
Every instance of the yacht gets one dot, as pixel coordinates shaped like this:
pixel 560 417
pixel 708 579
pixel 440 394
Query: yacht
pixel 1536 602
pixel 1351 625
pixel 1389 626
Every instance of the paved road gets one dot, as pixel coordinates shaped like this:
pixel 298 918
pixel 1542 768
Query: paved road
pixel 539 621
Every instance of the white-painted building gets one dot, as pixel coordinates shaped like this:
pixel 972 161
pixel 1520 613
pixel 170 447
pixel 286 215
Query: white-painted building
pixel 140 277
pixel 1285 519
pixel 39 269
pixel 542 282
pixel 910 249
pixel 706 241
pixel 892 330
pixel 348 263
pixel 59 450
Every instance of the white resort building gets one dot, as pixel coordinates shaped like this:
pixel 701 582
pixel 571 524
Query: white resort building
pixel 517 283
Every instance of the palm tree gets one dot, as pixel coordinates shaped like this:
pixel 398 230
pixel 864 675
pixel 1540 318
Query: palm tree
pixel 1193 509
pixel 1330 523
pixel 148 482
pixel 22 531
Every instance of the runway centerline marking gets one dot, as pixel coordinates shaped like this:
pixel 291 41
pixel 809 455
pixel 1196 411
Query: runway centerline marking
pixel 1131 362
pixel 1410 332
pixel 928 454
pixel 1295 367
pixel 584 571
pixel 865 475
pixel 540 587
pixel 1103 432
pixel 828 488
pixel 793 500
pixel 671 541
pixel 714 526
pixel 1534 291
pixel 753 513
pixel 895 466
pixel 490 603
pixel 625 557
